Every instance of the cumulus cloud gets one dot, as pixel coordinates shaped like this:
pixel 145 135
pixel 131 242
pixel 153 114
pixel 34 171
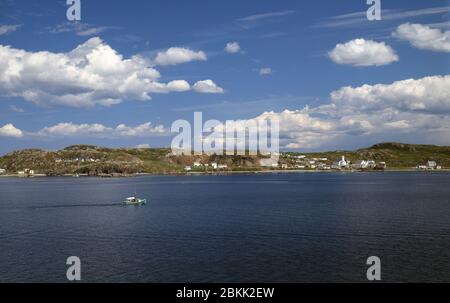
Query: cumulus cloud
pixel 10 130
pixel 70 129
pixel 408 107
pixel 91 74
pixel 207 87
pixel 178 86
pixel 142 130
pixel 361 52
pixel 412 107
pixel 429 94
pixel 177 55
pixel 6 29
pixel 265 71
pixel 305 129
pixel 424 37
pixel 232 48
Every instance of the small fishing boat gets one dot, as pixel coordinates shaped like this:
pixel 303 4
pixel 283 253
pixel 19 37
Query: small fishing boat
pixel 134 201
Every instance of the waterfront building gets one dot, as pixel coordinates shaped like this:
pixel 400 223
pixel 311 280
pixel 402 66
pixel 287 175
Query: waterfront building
pixel 431 164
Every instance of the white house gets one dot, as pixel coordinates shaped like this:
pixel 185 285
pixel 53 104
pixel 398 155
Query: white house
pixel 188 168
pixel 214 165
pixel 197 164
pixel 28 171
pixel 431 164
pixel 2 171
pixel 341 164
pixel 222 166
pixel 363 164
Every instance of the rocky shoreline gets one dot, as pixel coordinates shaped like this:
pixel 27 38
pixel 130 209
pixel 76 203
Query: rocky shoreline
pixel 243 172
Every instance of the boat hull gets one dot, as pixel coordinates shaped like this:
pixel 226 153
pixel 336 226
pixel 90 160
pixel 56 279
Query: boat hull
pixel 135 203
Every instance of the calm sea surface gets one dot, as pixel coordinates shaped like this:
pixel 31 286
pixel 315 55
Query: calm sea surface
pixel 238 228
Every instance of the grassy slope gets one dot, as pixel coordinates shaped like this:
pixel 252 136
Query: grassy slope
pixel 125 161
pixel 128 161
pixel 396 155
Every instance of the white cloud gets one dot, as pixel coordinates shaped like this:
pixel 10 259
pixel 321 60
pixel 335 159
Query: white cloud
pixel 6 29
pixel 265 71
pixel 418 108
pixel 207 86
pixel 232 48
pixel 16 109
pixel 361 52
pixel 92 74
pixel 177 55
pixel 143 146
pixel 10 130
pixel 92 31
pixel 429 94
pixel 424 37
pixel 360 18
pixel 142 130
pixel 259 17
pixel 178 86
pixel 79 28
pixel 70 129
pixel 98 130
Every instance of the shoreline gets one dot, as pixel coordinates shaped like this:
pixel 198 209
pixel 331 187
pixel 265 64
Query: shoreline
pixel 212 173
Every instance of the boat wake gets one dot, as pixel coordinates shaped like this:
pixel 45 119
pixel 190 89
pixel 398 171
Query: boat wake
pixel 75 206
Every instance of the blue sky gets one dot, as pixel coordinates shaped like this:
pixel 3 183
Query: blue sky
pixel 294 42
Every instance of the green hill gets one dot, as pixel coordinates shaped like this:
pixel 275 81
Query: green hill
pixel 396 155
pixel 95 160
pixel 91 160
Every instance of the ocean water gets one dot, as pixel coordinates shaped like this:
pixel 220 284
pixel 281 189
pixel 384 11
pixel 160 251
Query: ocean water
pixel 299 227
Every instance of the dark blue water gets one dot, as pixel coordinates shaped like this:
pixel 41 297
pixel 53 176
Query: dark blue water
pixel 240 228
